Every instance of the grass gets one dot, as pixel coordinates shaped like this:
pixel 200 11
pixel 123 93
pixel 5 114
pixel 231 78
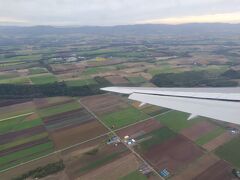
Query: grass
pixel 23 140
pixel 53 110
pixel 136 80
pixel 99 162
pixel 135 175
pixel 123 117
pixel 43 79
pixel 37 70
pixel 209 136
pixel 33 57
pixel 25 153
pixel 81 82
pixel 230 152
pixel 156 137
pixel 17 124
pixel 18 80
pixel 176 120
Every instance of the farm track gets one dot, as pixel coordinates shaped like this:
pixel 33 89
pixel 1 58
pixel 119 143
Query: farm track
pixel 41 128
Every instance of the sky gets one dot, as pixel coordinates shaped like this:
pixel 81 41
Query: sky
pixel 116 12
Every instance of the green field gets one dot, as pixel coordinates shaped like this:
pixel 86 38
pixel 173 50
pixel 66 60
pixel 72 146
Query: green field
pixel 136 80
pixel 17 124
pixel 82 82
pixel 53 110
pixel 155 137
pixel 43 79
pixel 176 120
pixel 33 57
pixel 136 175
pixel 230 152
pixel 37 70
pixel 209 136
pixel 20 155
pixel 123 117
pixel 18 80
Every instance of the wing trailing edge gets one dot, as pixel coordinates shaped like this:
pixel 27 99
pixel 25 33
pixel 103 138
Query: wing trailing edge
pixel 216 103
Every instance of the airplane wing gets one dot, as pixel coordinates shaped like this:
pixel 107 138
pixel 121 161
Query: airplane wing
pixel 217 103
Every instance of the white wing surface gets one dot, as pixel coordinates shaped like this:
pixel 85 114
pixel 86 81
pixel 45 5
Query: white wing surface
pixel 217 103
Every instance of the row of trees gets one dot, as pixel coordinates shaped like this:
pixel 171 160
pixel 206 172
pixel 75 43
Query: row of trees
pixel 192 79
pixel 41 172
pixel 9 91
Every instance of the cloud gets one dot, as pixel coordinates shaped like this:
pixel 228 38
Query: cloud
pixel 209 18
pixel 109 12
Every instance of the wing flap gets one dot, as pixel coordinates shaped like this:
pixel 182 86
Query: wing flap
pixel 220 110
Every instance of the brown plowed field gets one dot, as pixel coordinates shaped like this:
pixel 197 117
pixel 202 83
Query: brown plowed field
pixel 47 102
pixel 82 132
pixel 81 113
pixel 198 130
pixel 17 109
pixel 213 144
pixel 78 159
pixel 9 102
pixel 173 154
pixel 219 171
pixel 67 120
pixel 140 128
pixel 101 104
pixel 114 170
pixel 115 80
pixel 198 167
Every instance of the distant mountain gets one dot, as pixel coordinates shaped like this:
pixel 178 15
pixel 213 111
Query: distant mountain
pixel 183 29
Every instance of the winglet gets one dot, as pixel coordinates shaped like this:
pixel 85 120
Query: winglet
pixel 192 116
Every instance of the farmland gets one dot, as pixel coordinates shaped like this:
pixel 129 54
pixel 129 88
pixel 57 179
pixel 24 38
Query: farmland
pixel 52 109
pixel 123 117
pixel 229 152
pixel 43 79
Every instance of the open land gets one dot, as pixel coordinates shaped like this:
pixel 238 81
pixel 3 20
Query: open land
pixel 51 107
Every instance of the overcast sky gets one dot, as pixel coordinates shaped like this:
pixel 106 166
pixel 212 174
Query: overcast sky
pixel 116 12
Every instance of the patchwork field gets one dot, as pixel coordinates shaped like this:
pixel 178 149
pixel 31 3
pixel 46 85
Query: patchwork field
pixel 58 108
pixel 117 80
pixel 104 104
pixel 172 154
pixel 22 138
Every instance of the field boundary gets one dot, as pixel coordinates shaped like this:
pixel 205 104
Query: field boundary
pixel 77 144
pixel 26 114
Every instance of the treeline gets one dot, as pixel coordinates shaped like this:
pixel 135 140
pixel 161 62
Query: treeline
pixel 192 79
pixel 41 172
pixel 9 91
